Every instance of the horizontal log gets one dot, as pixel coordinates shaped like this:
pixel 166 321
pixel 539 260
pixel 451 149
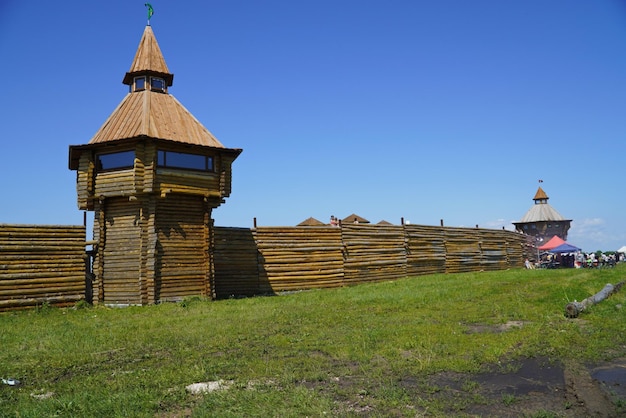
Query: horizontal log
pixel 298 247
pixel 4 277
pixel 31 302
pixel 33 233
pixel 300 257
pixel 309 281
pixel 290 270
pixel 50 250
pixel 48 290
pixel 42 282
pixel 41 261
pixel 174 287
pixel 573 309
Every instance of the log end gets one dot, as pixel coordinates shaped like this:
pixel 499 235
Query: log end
pixel 572 310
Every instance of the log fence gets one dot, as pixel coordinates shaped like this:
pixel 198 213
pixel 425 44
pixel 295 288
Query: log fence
pixel 308 257
pixel 48 264
pixel 41 264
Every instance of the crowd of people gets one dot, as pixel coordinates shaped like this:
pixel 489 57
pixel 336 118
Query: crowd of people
pixel 576 260
pixel 597 260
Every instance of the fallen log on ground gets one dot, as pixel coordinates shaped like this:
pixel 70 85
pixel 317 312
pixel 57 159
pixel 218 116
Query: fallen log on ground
pixel 573 309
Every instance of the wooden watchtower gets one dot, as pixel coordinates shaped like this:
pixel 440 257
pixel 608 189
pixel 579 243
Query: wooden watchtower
pixel 152 174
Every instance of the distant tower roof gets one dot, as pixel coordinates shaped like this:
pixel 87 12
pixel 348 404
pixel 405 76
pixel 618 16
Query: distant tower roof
pixel 354 218
pixel 311 222
pixel 541 211
pixel 540 195
pixel 543 221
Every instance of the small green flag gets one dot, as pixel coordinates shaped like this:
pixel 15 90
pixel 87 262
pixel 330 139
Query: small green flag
pixel 150 10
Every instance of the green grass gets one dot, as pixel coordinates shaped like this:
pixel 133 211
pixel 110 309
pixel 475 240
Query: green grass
pixel 333 352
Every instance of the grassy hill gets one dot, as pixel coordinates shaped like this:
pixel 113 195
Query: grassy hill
pixel 419 346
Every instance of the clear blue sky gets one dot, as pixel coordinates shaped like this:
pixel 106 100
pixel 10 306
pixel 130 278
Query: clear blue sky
pixel 427 110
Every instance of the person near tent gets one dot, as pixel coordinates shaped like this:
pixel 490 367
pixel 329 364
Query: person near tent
pixel 579 260
pixel 528 264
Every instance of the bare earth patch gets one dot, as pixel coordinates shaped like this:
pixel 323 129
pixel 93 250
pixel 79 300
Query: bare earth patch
pixel 530 387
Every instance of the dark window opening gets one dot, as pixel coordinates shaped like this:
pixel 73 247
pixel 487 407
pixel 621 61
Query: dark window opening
pixel 173 159
pixel 140 83
pixel 115 160
pixel 157 84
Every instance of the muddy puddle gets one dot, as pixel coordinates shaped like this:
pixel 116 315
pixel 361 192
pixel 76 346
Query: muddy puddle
pixel 612 378
pixel 527 387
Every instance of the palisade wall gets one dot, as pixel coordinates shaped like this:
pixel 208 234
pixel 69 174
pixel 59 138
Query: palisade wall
pixel 47 264
pixel 41 264
pixel 275 259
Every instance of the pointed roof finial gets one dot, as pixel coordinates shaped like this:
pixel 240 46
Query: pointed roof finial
pixel 540 196
pixel 148 60
pixel 150 11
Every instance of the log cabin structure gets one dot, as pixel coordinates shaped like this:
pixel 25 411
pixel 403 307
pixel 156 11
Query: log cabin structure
pixel 152 174
pixel 543 221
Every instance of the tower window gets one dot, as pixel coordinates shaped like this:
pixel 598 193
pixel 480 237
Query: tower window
pixel 157 84
pixel 184 160
pixel 140 83
pixel 115 160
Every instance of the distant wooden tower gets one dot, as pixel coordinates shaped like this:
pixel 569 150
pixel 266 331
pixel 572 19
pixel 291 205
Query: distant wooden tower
pixel 542 220
pixel 152 174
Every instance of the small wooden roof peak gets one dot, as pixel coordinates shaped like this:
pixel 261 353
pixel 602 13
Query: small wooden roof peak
pixel 148 59
pixel 540 195
pixel 311 222
pixel 354 219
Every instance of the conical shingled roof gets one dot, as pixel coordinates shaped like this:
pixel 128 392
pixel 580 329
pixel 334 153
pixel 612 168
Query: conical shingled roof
pixel 541 210
pixel 540 195
pixel 155 115
pixel 150 113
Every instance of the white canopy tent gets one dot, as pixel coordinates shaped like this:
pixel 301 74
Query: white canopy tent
pixel 622 250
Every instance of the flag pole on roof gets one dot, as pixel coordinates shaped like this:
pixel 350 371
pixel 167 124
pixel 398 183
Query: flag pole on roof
pixel 150 11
